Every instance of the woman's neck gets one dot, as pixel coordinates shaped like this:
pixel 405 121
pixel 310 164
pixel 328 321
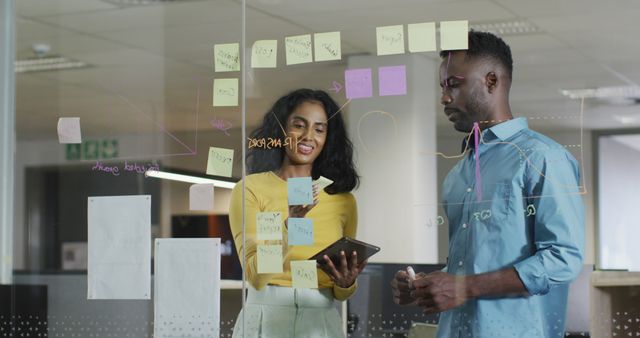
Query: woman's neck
pixel 288 170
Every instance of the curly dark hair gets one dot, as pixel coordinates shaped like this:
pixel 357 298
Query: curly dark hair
pixel 487 45
pixel 336 158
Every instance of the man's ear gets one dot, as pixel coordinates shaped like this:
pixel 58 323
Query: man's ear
pixel 491 80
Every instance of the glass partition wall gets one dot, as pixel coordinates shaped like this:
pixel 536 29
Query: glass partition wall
pixel 180 164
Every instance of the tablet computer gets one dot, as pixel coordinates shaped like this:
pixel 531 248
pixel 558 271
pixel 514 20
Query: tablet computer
pixel 348 245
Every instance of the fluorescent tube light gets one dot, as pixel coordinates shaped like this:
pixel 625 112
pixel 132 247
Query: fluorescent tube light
pixel 47 63
pixel 189 179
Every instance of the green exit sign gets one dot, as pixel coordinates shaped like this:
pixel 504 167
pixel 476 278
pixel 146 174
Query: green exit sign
pixel 92 150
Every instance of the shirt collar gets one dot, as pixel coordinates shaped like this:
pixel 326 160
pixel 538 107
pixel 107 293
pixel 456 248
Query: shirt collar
pixel 506 129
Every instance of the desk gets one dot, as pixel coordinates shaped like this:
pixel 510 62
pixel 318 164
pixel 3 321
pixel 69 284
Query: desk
pixel 615 304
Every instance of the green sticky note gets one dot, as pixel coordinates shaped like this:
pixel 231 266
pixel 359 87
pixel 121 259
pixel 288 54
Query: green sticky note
pixel 304 274
pixel 220 162
pixel 327 46
pixel 298 49
pixel 422 37
pixel 269 226
pixel 269 258
pixel 454 35
pixel 225 92
pixel 227 57
pixel 264 54
pixel 390 40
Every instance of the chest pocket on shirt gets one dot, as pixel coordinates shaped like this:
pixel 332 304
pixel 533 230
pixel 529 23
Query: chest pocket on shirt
pixel 499 203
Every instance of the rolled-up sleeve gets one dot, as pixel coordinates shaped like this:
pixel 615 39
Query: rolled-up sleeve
pixel 552 184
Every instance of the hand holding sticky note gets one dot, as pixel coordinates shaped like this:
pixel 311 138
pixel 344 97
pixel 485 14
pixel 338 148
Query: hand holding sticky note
pixel 69 130
pixel 269 226
pixel 300 191
pixel 269 258
pixel 220 162
pixel 304 274
pixel 300 231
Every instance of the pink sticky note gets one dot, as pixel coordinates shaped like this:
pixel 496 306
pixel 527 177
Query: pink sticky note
pixel 358 83
pixel 392 80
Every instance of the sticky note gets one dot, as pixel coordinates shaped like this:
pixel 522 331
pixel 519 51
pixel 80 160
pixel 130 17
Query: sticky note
pixel 300 231
pixel 269 258
pixel 187 286
pixel 300 191
pixel 227 57
pixel 358 83
pixel 304 274
pixel 220 162
pixel 323 182
pixel 119 247
pixel 392 80
pixel 69 130
pixel 327 46
pixel 201 196
pixel 298 49
pixel 422 37
pixel 454 35
pixel 269 226
pixel 225 92
pixel 390 40
pixel 264 54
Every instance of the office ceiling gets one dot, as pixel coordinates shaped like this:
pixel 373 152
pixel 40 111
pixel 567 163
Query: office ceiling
pixel 147 62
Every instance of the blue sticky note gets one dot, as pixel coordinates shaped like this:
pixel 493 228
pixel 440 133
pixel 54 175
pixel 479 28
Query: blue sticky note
pixel 300 191
pixel 300 231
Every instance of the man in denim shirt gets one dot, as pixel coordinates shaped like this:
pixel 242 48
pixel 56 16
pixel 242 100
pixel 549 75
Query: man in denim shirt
pixel 516 217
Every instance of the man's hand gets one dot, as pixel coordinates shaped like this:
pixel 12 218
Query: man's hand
pixel 440 291
pixel 401 288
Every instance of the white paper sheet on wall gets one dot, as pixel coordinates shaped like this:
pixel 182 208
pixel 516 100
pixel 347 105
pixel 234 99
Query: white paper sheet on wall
pixel 119 259
pixel 187 287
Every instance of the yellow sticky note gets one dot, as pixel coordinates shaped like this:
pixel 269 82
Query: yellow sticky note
pixel 225 92
pixel 327 46
pixel 220 162
pixel 269 226
pixel 304 274
pixel 227 57
pixel 454 35
pixel 298 49
pixel 264 54
pixel 323 182
pixel 390 40
pixel 269 258
pixel 422 37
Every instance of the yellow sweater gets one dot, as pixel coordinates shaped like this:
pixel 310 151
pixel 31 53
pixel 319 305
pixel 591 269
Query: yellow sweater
pixel 333 217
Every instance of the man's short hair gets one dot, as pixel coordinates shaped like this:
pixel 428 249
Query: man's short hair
pixel 489 46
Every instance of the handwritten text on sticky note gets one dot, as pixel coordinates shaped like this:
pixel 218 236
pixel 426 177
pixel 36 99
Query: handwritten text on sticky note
pixel 304 274
pixel 227 57
pixel 225 92
pixel 220 162
pixel 300 231
pixel 269 226
pixel 392 80
pixel 201 196
pixel 422 37
pixel 358 83
pixel 323 182
pixel 299 191
pixel 269 258
pixel 454 35
pixel 69 130
pixel 327 46
pixel 298 49
pixel 264 54
pixel 390 40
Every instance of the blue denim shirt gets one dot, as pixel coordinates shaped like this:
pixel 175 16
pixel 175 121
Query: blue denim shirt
pixel 529 216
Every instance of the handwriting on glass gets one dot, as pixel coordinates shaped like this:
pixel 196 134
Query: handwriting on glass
pixel 131 167
pixel 221 125
pixel 270 143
